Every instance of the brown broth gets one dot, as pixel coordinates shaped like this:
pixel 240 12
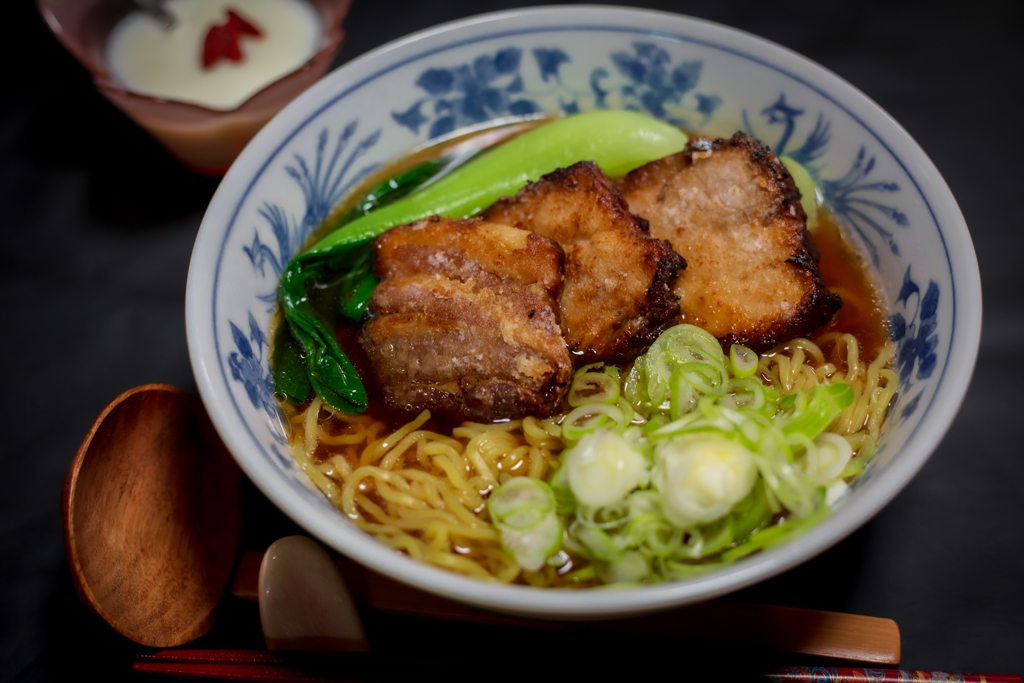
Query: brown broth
pixel 862 314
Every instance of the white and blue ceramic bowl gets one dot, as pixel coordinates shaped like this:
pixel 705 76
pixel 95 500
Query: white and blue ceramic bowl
pixel 872 175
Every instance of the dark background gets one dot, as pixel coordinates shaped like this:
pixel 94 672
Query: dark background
pixel 96 229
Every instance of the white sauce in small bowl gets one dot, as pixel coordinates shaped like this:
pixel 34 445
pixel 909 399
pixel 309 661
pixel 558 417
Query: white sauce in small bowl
pixel 168 63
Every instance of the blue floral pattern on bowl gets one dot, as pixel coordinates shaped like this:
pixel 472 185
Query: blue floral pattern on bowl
pixel 489 88
pixel 492 86
pixel 323 188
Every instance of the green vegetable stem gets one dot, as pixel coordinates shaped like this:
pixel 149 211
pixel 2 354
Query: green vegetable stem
pixel 617 141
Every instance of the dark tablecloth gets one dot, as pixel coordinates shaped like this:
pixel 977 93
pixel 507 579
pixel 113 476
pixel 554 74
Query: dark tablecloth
pixel 98 225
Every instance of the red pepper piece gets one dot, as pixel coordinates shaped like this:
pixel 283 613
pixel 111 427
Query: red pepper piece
pixel 241 25
pixel 222 40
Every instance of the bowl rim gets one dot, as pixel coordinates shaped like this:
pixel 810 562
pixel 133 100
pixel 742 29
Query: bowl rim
pixel 936 416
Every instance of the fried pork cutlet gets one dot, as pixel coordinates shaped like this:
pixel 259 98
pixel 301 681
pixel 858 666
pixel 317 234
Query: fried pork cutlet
pixel 617 295
pixel 732 210
pixel 465 321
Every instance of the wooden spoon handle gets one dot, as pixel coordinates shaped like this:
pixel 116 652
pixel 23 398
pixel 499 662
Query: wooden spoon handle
pixel 847 637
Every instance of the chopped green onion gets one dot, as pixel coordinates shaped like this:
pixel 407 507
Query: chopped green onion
pixel 857 464
pixel 532 547
pixel 827 458
pixel 603 467
pixel 773 535
pixel 682 395
pixel 701 483
pixel 742 361
pixel 591 416
pixel 701 478
pixel 628 414
pixel 751 513
pixel 812 415
pixel 708 378
pixel 593 387
pixel 716 537
pixel 628 568
pixel 582 574
pixel 593 542
pixel 688 343
pixel 520 503
pixel 601 366
pixel 635 388
pixel 523 510
pixel 841 393
pixel 745 392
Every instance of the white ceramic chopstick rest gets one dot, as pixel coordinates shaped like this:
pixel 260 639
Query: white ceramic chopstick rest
pixel 304 603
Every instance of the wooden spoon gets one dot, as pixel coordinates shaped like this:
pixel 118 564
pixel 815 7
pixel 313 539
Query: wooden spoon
pixel 152 515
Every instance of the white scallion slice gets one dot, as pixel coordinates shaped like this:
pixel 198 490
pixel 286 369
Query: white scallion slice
pixel 523 510
pixel 590 417
pixel 594 541
pixel 629 568
pixel 700 478
pixel 521 503
pixel 593 387
pixel 709 378
pixel 742 361
pixel 830 457
pixel 688 343
pixel 745 392
pixel 603 468
pixel 531 548
pixel 836 491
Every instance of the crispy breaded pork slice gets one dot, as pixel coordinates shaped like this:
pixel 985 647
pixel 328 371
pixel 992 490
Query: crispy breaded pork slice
pixel 617 295
pixel 732 210
pixel 465 320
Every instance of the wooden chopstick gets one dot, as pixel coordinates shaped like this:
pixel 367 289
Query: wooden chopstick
pixel 846 637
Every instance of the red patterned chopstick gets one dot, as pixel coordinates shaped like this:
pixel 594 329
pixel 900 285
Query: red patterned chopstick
pixel 822 674
pixel 315 667
pixel 245 657
pixel 283 667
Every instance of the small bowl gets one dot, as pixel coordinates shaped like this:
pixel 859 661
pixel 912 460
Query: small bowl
pixel 204 140
pixel 894 204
